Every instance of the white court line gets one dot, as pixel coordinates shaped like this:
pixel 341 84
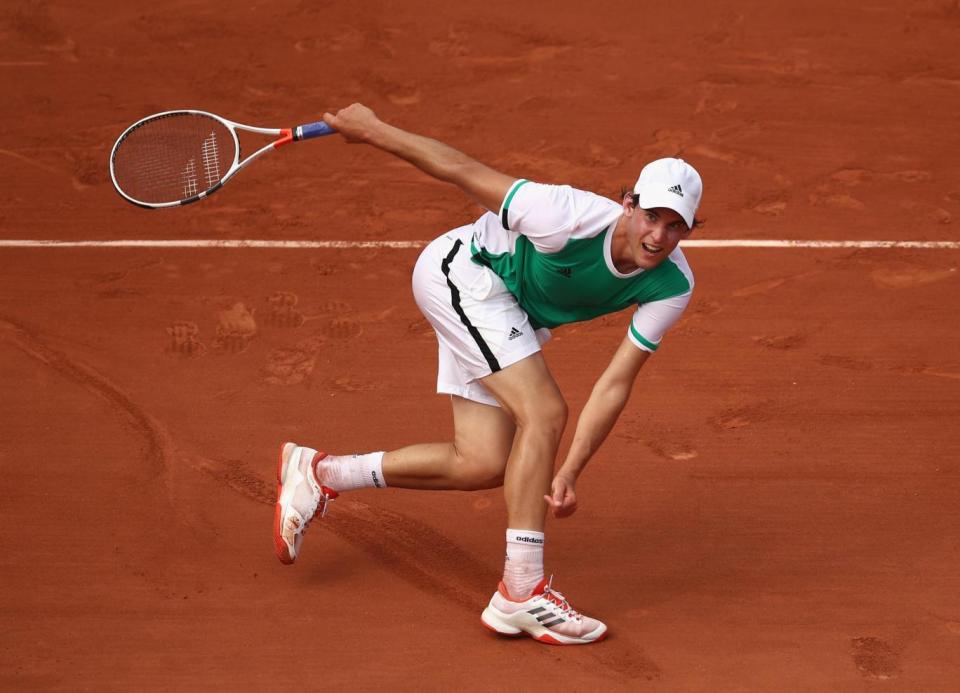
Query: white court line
pixel 197 243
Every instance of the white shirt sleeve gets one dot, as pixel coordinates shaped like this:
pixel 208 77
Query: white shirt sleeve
pixel 551 215
pixel 652 320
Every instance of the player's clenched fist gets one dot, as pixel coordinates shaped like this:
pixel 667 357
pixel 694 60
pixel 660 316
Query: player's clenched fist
pixel 356 122
pixel 563 496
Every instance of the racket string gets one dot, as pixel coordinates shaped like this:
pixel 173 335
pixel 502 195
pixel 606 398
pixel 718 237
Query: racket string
pixel 173 157
pixel 211 162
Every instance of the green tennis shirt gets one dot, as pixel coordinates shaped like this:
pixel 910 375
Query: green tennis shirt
pixel 551 247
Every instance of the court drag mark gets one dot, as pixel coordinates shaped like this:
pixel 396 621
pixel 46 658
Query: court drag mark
pixel 34 347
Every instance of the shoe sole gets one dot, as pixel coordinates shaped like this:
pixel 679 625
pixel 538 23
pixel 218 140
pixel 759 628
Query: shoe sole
pixel 280 546
pixel 494 621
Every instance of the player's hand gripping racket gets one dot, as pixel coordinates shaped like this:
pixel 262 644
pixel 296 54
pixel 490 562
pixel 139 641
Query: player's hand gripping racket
pixel 178 157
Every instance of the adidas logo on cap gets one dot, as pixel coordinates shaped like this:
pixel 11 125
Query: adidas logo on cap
pixel 675 189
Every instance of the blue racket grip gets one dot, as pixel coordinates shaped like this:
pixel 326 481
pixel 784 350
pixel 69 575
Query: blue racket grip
pixel 318 129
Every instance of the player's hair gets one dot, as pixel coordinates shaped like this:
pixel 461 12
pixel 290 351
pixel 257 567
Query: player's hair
pixel 635 198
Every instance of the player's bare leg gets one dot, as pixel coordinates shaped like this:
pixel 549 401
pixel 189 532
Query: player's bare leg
pixel 476 459
pixel 530 396
pixel 514 446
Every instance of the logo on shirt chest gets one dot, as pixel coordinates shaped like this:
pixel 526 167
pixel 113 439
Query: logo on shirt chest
pixel 565 271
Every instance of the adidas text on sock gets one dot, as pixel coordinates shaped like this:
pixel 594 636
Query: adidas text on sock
pixel 523 565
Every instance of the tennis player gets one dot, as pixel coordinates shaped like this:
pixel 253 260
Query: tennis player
pixel 542 256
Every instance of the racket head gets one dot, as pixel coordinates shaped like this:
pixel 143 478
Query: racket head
pixel 174 158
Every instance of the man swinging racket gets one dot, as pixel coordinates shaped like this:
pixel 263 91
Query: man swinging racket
pixel 542 256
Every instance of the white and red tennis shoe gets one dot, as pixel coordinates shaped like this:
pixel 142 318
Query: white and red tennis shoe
pixel 545 616
pixel 300 497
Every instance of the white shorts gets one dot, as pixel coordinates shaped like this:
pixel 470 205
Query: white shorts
pixel 480 327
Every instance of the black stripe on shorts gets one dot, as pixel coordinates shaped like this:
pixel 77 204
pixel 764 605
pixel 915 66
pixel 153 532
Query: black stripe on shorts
pixel 455 300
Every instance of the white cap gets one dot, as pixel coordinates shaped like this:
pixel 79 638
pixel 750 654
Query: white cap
pixel 670 183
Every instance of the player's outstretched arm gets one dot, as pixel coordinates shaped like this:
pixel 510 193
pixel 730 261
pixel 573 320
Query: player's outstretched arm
pixel 357 123
pixel 607 399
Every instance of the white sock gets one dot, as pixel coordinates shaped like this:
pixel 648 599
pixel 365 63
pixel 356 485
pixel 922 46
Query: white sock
pixel 523 567
pixel 351 472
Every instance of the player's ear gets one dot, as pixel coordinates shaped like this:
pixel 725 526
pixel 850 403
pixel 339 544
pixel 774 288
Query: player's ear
pixel 629 205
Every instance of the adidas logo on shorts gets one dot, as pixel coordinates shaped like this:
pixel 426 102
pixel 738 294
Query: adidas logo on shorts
pixel 514 333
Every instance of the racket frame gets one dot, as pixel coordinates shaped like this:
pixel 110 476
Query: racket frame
pixel 284 136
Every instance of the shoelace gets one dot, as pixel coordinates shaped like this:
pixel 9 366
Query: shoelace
pixel 555 597
pixel 327 500
pixel 322 504
pixel 324 498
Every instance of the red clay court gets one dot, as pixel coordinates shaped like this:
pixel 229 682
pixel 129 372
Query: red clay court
pixel 787 518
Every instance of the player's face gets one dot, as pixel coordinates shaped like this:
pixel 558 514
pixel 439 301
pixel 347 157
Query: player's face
pixel 652 234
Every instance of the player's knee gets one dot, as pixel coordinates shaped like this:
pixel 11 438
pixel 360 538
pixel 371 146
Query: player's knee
pixel 548 415
pixel 484 478
pixel 476 472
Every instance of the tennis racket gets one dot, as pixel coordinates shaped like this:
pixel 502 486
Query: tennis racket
pixel 178 157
